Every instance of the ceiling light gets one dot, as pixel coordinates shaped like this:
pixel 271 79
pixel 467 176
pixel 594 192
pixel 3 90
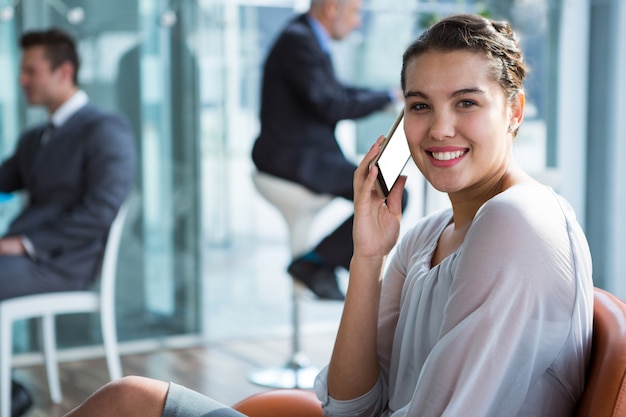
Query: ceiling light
pixel 168 18
pixel 6 13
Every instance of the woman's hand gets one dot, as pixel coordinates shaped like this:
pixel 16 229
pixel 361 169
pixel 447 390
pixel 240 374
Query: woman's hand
pixel 376 220
pixel 353 369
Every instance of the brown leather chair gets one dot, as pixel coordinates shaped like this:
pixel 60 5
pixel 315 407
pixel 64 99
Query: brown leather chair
pixel 605 390
pixel 281 403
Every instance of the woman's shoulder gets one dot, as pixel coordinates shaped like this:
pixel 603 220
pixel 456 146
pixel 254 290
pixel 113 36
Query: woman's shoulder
pixel 532 212
pixel 525 202
pixel 527 192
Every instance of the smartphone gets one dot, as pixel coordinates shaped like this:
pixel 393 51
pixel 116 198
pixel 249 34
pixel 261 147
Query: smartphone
pixel 392 158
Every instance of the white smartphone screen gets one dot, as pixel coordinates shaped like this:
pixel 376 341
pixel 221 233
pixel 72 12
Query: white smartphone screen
pixel 393 158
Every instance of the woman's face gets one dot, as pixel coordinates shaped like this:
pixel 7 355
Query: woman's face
pixel 457 120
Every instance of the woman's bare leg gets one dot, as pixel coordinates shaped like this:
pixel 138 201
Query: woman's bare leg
pixel 131 396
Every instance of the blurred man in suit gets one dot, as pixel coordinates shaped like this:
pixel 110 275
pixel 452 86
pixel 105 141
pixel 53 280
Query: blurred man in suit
pixel 76 170
pixel 301 103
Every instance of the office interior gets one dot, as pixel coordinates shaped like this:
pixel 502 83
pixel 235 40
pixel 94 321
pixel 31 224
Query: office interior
pixel 203 255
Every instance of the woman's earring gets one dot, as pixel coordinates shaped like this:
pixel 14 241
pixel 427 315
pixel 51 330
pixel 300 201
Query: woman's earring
pixel 511 128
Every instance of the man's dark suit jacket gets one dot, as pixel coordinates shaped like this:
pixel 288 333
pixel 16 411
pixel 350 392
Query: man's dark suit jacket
pixel 301 103
pixel 75 184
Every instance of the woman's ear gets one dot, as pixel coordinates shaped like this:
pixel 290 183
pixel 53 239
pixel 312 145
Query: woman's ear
pixel 517 110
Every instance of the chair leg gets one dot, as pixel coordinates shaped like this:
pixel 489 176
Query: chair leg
pixel 50 357
pixel 299 229
pixel 109 338
pixel 6 353
pixel 296 373
pixel 304 373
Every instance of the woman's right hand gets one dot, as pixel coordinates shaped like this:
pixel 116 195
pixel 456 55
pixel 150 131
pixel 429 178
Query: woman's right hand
pixel 376 220
pixel 354 368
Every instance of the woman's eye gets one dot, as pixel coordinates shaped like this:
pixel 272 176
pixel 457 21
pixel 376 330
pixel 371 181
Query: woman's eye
pixel 419 106
pixel 466 103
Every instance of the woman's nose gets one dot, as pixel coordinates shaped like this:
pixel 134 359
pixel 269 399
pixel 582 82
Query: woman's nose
pixel 442 126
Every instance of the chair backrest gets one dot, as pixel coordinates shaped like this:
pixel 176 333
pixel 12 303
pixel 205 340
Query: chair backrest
pixel 281 403
pixel 605 388
pixel 108 267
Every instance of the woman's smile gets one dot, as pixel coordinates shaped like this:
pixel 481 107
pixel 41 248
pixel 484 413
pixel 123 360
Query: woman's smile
pixel 446 156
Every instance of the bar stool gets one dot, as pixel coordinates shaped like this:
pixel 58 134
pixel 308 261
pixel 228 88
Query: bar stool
pixel 299 207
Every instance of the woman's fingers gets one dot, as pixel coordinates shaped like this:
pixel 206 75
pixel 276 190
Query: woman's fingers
pixel 366 172
pixel 394 199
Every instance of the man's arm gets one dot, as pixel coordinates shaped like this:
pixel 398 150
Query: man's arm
pixel 310 77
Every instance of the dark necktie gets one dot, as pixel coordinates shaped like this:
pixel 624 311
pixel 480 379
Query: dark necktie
pixel 47 133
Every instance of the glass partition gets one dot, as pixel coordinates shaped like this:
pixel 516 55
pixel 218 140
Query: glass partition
pixel 9 114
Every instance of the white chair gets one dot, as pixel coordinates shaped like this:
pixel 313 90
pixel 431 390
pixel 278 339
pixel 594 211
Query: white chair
pixel 299 207
pixel 46 306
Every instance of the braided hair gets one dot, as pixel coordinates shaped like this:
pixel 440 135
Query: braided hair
pixel 475 33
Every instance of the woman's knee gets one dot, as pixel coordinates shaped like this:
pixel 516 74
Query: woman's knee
pixel 136 395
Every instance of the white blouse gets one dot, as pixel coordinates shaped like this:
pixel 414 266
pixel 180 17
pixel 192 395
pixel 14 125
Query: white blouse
pixel 502 327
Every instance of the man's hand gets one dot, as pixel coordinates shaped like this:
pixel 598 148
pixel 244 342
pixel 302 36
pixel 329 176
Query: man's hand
pixel 11 245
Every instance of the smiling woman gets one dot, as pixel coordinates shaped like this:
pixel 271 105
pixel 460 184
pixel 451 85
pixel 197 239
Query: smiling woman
pixel 486 307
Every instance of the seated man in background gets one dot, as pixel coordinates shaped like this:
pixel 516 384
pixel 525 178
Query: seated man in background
pixel 76 170
pixel 301 102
